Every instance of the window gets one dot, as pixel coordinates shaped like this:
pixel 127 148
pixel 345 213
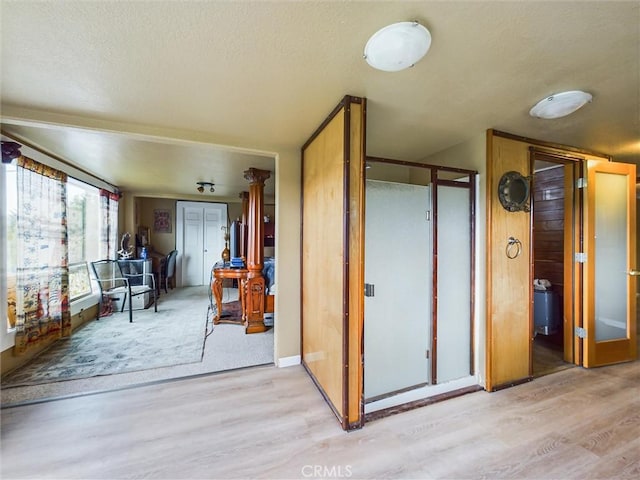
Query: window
pixel 10 229
pixel 83 224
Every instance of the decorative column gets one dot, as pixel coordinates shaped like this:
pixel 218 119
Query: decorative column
pixel 255 286
pixel 244 225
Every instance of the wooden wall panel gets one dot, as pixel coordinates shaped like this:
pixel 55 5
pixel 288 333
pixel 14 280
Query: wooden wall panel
pixel 323 259
pixel 333 259
pixel 548 227
pixel 508 280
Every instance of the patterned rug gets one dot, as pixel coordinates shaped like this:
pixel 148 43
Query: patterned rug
pixel 174 335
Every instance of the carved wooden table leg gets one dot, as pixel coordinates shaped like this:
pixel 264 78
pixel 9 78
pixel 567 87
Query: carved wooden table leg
pixel 217 294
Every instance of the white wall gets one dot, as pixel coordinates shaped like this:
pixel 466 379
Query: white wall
pixel 287 322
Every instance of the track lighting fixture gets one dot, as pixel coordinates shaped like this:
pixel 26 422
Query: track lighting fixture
pixel 201 186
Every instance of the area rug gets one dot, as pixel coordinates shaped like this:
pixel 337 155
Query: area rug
pixel 173 336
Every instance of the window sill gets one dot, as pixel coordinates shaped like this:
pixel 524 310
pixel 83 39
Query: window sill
pixel 83 303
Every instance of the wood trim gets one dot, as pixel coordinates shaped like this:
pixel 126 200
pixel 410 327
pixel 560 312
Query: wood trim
pixel 451 183
pixel 579 268
pixel 346 99
pixel 420 403
pixel 418 165
pixel 531 261
pixel 434 281
pixel 543 143
pixel 514 383
pixel 571 284
pixel 472 306
pixel 356 266
pixel 346 201
pixel 488 276
pixel 363 180
pixel 301 246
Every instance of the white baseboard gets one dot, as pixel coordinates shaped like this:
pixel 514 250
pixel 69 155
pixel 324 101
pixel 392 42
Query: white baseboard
pixel 289 361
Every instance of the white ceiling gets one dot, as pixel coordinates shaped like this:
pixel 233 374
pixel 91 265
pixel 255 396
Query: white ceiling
pixel 263 75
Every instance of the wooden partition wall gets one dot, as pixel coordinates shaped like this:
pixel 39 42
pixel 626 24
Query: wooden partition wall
pixel 509 308
pixel 332 258
pixel 508 282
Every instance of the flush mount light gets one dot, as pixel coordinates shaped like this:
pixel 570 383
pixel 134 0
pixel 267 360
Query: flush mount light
pixel 397 46
pixel 560 104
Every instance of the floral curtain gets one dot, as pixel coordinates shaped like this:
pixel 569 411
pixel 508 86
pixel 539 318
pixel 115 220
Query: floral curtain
pixel 108 224
pixel 42 273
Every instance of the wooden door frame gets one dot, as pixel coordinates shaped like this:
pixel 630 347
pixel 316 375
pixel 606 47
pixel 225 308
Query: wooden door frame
pixel 572 271
pixel 435 181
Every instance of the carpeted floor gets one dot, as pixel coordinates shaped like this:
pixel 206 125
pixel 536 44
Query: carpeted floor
pixel 171 336
pixel 219 348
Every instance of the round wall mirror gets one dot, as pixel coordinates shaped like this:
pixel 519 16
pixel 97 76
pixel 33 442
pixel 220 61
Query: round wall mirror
pixel 513 192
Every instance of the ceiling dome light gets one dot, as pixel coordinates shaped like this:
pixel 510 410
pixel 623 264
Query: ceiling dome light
pixel 397 46
pixel 560 104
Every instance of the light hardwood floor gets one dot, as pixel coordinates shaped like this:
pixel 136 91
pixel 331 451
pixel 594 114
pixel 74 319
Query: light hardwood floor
pixel 272 423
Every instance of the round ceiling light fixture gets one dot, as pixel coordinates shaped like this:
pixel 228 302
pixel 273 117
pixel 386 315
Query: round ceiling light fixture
pixel 560 104
pixel 397 46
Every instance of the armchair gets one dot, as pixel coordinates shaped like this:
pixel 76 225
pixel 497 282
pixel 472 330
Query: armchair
pixel 114 284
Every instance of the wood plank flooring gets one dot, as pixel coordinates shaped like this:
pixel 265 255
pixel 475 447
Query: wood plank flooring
pixel 272 423
pixel 547 357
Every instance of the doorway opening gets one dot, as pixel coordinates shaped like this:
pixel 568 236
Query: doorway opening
pixel 553 211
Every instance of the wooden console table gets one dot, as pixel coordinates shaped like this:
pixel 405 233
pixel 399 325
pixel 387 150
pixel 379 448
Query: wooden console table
pixel 251 297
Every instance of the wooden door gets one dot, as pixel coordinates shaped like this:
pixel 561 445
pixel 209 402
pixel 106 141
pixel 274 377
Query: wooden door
pixel 610 271
pixel 332 259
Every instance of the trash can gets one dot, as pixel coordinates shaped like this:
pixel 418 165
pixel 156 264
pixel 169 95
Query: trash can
pixel 546 312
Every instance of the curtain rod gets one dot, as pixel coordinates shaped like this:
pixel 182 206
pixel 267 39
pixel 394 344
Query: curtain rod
pixel 58 159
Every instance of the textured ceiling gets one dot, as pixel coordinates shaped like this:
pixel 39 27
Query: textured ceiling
pixel 263 76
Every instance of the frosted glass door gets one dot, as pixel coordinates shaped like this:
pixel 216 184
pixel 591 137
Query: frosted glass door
pixel 610 293
pixel 611 258
pixel 453 348
pixel 398 266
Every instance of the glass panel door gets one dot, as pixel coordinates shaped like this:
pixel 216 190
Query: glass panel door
pixel 610 282
pixel 398 288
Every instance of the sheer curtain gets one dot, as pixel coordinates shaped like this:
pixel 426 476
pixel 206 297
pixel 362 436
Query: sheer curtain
pixel 42 273
pixel 108 224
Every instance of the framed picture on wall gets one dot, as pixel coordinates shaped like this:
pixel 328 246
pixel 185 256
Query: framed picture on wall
pixel 162 221
pixel 144 237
